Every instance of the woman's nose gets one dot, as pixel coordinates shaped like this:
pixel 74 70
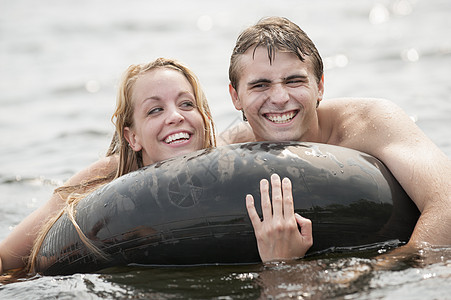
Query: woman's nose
pixel 174 117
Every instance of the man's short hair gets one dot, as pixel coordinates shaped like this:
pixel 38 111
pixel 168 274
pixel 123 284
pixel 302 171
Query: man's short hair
pixel 275 34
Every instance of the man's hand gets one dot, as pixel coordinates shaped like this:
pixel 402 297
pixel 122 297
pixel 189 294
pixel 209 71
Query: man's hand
pixel 278 237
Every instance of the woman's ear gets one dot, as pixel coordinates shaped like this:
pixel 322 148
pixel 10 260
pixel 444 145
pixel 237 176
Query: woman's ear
pixel 132 139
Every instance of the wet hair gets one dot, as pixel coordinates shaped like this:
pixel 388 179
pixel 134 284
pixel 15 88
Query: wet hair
pixel 129 160
pixel 275 34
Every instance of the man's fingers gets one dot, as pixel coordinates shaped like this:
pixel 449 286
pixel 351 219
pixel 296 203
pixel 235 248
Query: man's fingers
pixel 277 205
pixel 253 215
pixel 306 228
pixel 288 208
pixel 265 200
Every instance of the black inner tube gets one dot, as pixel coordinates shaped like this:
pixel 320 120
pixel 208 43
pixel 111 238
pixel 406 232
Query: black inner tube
pixel 191 210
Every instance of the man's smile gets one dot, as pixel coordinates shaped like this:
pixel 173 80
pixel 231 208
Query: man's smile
pixel 281 118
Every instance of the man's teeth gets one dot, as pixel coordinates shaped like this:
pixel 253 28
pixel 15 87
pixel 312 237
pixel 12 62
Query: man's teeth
pixel 281 118
pixel 177 137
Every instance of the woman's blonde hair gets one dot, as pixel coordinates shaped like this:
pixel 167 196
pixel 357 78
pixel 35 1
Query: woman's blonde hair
pixel 129 160
pixel 123 116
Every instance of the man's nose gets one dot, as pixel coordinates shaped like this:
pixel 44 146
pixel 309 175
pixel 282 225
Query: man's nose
pixel 279 94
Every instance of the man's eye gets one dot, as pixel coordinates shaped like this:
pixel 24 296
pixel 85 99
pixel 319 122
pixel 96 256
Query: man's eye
pixel 260 86
pixel 294 82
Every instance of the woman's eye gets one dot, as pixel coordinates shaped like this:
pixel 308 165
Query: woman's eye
pixel 154 110
pixel 188 104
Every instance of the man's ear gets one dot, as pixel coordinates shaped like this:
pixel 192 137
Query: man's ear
pixel 235 99
pixel 132 139
pixel 321 89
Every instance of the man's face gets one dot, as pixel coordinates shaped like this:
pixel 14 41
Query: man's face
pixel 278 99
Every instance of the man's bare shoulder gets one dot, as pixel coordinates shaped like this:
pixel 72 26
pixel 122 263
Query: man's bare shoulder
pixel 352 121
pixel 342 108
pixel 352 104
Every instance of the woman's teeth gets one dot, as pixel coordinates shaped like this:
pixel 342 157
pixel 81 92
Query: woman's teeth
pixel 177 138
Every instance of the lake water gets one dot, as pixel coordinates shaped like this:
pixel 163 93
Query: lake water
pixel 59 65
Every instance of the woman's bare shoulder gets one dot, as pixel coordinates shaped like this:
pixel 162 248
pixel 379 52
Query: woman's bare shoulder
pixel 100 168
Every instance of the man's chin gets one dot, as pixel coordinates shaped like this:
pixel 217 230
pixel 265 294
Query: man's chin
pixel 278 138
pixel 278 133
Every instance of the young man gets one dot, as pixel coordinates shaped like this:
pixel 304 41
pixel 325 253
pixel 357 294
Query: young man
pixel 276 80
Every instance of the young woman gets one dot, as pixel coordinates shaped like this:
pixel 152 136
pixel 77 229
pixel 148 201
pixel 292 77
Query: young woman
pixel 161 112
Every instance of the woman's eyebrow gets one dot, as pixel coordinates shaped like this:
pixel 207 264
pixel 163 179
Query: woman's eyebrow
pixel 158 98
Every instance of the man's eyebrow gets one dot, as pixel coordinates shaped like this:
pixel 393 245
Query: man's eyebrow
pixel 264 80
pixel 296 76
pixel 257 81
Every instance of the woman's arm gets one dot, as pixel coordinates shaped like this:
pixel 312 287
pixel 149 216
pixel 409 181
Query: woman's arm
pixel 16 247
pixel 278 236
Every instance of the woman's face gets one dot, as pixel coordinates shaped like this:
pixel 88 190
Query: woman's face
pixel 166 120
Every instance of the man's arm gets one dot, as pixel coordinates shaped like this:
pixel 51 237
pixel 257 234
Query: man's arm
pixel 17 245
pixel 424 172
pixel 421 168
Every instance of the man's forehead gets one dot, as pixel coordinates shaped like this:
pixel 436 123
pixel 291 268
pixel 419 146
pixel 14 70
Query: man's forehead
pixel 284 63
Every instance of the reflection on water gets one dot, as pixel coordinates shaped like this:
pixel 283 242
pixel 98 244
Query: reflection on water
pixel 425 274
pixel 362 278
